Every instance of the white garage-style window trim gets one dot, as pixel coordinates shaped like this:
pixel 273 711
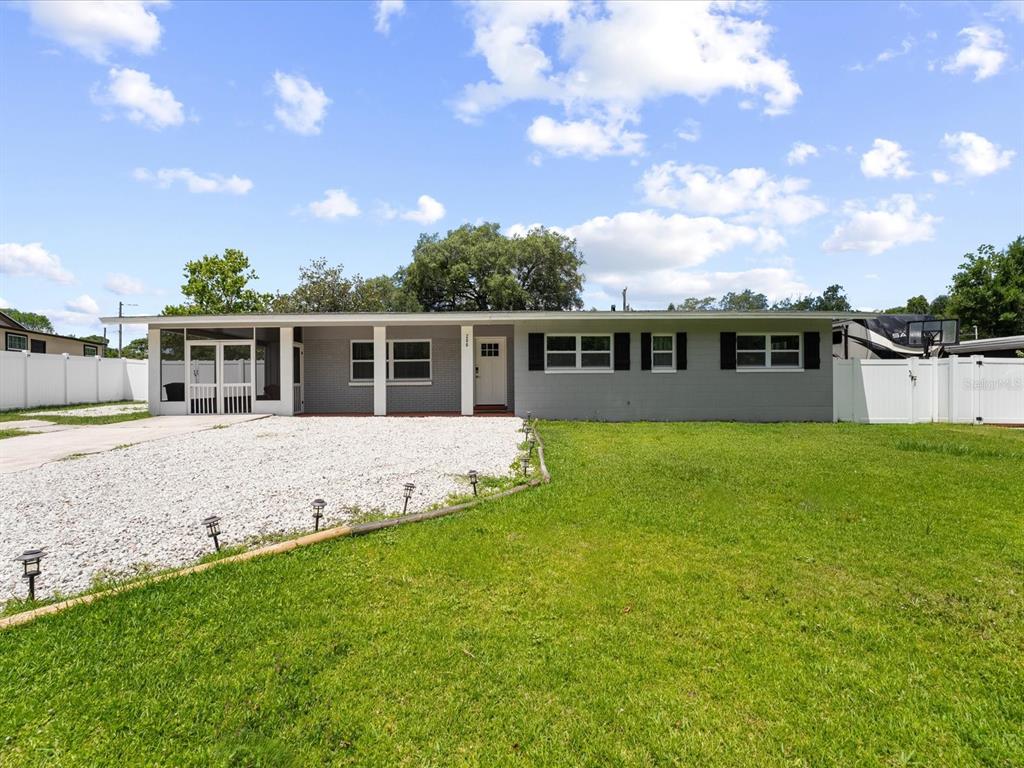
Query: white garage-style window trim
pixel 409 361
pixel 663 352
pixel 578 353
pixel 769 351
pixel 16 342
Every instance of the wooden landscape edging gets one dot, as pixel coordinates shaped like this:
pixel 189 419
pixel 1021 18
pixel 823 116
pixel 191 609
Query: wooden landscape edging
pixel 281 547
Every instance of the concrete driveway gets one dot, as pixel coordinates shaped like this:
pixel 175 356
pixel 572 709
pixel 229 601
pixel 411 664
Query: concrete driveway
pixel 30 451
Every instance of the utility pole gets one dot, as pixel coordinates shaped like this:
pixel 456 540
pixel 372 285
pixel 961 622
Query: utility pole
pixel 120 328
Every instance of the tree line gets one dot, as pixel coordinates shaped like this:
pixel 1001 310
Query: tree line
pixel 476 267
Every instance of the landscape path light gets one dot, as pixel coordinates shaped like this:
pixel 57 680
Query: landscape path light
pixel 409 488
pixel 524 461
pixel 212 524
pixel 29 560
pixel 531 438
pixel 318 512
pixel 473 480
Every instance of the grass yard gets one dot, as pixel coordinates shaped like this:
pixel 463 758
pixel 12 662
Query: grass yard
pixel 688 594
pixel 40 413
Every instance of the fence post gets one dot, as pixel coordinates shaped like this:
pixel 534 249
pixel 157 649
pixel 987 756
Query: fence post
pixel 64 363
pixel 98 358
pixel 934 410
pixel 954 364
pixel 977 417
pixel 912 383
pixel 26 355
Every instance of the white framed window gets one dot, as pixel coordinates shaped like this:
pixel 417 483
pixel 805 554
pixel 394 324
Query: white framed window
pixel 16 342
pixel 578 352
pixel 407 360
pixel 90 350
pixel 769 350
pixel 663 352
pixel 361 361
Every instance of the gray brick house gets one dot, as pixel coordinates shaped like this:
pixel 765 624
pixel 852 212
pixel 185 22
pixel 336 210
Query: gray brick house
pixel 615 366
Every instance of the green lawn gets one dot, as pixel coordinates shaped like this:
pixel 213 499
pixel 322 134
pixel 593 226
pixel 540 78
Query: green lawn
pixel 691 594
pixel 34 413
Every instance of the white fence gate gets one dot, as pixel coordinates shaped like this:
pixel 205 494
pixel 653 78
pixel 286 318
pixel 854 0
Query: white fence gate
pixel 31 379
pixel 974 390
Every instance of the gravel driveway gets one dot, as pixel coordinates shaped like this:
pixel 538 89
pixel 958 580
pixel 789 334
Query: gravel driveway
pixel 144 503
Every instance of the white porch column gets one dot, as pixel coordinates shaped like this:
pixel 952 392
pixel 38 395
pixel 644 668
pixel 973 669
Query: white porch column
pixel 287 405
pixel 468 370
pixel 380 370
pixel 154 371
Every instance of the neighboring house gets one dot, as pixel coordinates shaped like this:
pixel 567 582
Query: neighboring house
pixel 18 338
pixel 615 366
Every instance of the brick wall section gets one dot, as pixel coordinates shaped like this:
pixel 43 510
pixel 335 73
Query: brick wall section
pixel 443 392
pixel 327 357
pixel 327 360
pixel 703 392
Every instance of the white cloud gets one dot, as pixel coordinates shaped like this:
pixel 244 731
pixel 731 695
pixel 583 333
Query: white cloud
pixel 428 211
pixel 649 240
pixel 656 288
pixel 940 177
pixel 751 193
pixel 385 10
pixel 894 221
pixel 602 62
pixel 4 303
pixel 94 28
pixel 585 137
pixel 886 159
pixel 302 106
pixel 655 255
pixel 1007 9
pixel 165 177
pixel 143 102
pixel 801 153
pixel 985 53
pixel 906 46
pixel 32 260
pixel 123 285
pixel 85 304
pixel 335 203
pixel 975 154
pixel 690 130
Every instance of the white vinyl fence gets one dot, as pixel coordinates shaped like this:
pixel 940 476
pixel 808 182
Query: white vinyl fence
pixel 970 390
pixel 29 380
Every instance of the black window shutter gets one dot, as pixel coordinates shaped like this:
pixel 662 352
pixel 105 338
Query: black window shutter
pixel 536 351
pixel 681 351
pixel 812 350
pixel 621 351
pixel 645 351
pixel 728 351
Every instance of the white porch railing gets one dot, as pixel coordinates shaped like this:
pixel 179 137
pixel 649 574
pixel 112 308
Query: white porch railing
pixel 237 398
pixel 202 398
pixel 297 404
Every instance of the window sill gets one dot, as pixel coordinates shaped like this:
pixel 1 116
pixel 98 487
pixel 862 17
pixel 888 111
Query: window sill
pixel 557 371
pixel 765 369
pixel 410 383
pixel 663 370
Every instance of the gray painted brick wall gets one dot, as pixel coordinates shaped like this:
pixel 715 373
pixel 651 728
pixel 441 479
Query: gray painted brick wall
pixel 328 359
pixel 702 392
pixel 327 355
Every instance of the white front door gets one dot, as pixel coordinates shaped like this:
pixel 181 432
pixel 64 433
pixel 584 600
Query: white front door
pixel 491 371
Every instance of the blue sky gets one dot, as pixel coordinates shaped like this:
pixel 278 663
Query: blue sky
pixel 690 149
